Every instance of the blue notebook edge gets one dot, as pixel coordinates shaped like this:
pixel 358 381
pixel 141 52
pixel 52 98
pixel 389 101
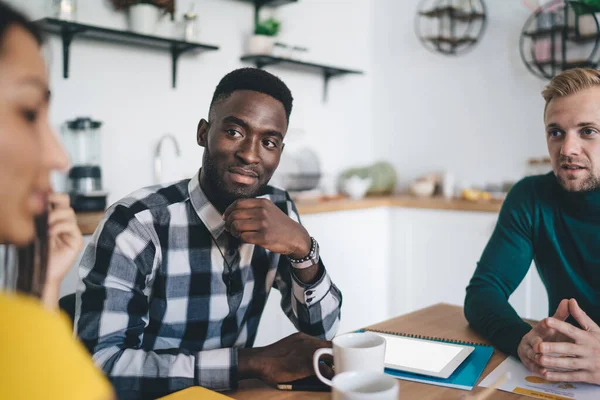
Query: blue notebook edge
pixel 465 377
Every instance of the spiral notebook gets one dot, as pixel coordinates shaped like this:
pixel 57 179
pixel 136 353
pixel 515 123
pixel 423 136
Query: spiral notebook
pixel 464 377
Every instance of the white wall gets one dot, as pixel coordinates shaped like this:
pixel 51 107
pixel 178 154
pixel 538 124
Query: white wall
pixel 130 89
pixel 479 114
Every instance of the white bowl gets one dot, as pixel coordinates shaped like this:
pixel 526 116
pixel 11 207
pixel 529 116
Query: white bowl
pixel 356 187
pixel 422 188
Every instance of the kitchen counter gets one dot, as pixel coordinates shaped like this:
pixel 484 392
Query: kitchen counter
pixel 89 221
pixel 435 203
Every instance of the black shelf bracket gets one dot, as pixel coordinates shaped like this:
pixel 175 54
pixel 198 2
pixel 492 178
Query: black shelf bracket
pixel 327 75
pixel 176 51
pixel 257 7
pixel 67 34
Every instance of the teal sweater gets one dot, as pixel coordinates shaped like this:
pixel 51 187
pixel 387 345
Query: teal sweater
pixel 560 231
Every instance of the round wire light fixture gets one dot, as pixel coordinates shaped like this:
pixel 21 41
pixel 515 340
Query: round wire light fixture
pixel 560 35
pixel 450 27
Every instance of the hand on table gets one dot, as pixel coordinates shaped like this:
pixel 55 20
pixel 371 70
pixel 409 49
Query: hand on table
pixel 287 360
pixel 528 349
pixel 260 222
pixel 580 353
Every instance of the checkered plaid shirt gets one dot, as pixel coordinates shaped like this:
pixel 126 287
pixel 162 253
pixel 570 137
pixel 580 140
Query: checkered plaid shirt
pixel 162 308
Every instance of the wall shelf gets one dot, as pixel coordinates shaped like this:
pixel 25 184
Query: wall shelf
pixel 544 33
pixel 567 65
pixel 587 38
pixel 554 39
pixel 328 72
pixel 571 34
pixel 271 3
pixel 69 30
pixel 453 13
pixel 444 28
pixel 453 43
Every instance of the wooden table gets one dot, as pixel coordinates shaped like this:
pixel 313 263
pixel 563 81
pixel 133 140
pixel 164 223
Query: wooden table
pixel 441 320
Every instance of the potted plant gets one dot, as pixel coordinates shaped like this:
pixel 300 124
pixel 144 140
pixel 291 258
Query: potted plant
pixel 145 14
pixel 263 40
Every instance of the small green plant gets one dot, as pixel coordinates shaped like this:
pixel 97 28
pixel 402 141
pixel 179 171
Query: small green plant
pixel 268 27
pixel 592 6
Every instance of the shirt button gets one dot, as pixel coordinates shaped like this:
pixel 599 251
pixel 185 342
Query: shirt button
pixel 308 292
pixel 231 252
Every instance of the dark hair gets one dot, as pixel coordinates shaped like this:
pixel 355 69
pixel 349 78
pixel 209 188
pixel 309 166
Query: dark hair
pixel 32 260
pixel 9 17
pixel 257 80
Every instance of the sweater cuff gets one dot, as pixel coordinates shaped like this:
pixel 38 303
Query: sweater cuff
pixel 511 337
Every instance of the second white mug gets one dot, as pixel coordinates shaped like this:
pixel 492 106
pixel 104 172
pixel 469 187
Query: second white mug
pixel 364 385
pixel 359 351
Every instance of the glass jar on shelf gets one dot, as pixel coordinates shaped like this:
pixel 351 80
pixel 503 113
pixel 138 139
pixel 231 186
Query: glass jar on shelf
pixel 64 9
pixel 190 28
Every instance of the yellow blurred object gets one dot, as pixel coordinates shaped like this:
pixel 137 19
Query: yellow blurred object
pixel 41 359
pixel 194 393
pixel 475 195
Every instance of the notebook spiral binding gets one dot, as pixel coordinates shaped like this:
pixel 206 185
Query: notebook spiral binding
pixel 425 337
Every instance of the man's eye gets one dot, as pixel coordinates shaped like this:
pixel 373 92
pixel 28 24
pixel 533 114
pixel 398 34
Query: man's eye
pixel 588 131
pixel 554 133
pixel 270 144
pixel 232 132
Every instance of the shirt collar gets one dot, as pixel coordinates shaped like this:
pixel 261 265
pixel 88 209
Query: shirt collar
pixel 208 213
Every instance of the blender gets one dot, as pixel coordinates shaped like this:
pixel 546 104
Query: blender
pixel 83 143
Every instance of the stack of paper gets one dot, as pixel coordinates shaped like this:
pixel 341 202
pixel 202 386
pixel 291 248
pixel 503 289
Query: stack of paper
pixel 524 382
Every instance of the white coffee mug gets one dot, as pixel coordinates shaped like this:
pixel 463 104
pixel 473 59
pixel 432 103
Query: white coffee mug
pixel 360 351
pixel 364 385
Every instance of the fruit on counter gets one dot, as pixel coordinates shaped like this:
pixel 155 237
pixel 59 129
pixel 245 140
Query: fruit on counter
pixel 475 195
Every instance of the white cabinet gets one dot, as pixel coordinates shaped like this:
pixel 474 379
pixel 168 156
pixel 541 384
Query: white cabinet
pixel 435 253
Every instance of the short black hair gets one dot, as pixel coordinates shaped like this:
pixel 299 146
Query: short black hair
pixel 9 17
pixel 257 80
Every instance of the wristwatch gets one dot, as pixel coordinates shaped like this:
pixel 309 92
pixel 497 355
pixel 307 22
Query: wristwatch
pixel 311 259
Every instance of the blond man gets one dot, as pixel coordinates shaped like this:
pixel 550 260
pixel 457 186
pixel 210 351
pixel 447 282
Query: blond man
pixel 553 219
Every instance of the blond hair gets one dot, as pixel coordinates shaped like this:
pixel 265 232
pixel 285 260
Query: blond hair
pixel 569 82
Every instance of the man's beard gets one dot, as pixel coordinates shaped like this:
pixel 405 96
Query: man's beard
pixel 589 184
pixel 215 179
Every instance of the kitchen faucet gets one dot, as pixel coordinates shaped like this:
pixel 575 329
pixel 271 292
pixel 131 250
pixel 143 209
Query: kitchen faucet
pixel 157 155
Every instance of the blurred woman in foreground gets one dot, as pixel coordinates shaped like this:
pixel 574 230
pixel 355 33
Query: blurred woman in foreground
pixel 39 357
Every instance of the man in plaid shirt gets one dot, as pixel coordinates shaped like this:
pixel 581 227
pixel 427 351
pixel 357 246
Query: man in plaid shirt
pixel 174 283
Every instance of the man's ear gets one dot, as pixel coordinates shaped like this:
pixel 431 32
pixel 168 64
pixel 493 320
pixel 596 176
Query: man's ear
pixel 202 133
